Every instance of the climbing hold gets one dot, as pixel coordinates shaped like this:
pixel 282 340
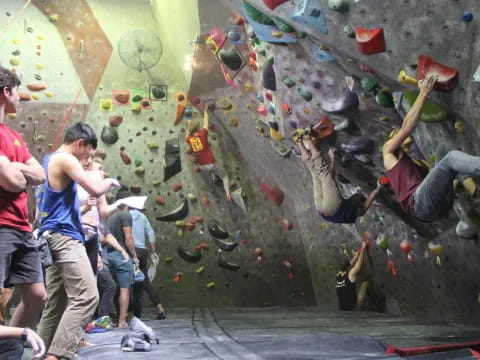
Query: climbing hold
pixel 248 86
pixel 125 158
pixel 322 56
pixel 39 66
pixel 369 84
pixel 200 270
pixel 156 182
pixel 216 230
pixel 271 109
pixel 14 62
pixel 189 256
pixel 180 224
pixel 269 80
pixel 109 135
pixel 140 171
pixel 273 192
pixel 338 5
pixel 385 99
pixel 115 120
pixel 370 41
pixel 349 31
pixel 459 127
pixel 384 180
pixel 222 262
pixel 288 225
pixel 275 135
pixel 177 186
pixel 137 98
pixel 24 96
pixel 271 60
pixel 191 197
pixel 262 110
pixel 152 145
pixel 342 126
pixel 178 277
pixel 256 15
pixel 277 34
pixel 382 241
pixel 272 4
pixel 105 104
pixel 178 213
pixel 12 116
pixel 53 17
pixel 160 200
pixel 323 128
pixel 467 16
pixel 447 76
pixel 16 52
pixel 36 87
pixel 135 189
pixel 430 112
pixel 307 95
pixel 48 94
pixel 405 247
pixel 205 199
pixel 287 109
pixel 310 14
pixel 122 97
pixel 287 81
pixel 231 59
pixel 189 226
pixel 225 245
pixel 158 92
pixel 404 78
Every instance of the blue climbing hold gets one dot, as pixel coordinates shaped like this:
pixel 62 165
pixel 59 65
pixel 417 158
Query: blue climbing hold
pixel 467 16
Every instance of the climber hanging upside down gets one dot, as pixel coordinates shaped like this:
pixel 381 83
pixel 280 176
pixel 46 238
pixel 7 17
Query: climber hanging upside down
pixel 197 139
pixel 426 196
pixel 329 202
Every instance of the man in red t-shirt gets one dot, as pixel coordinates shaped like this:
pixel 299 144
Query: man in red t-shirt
pixel 19 256
pixel 198 141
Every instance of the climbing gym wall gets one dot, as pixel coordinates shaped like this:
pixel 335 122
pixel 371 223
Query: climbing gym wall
pixel 349 69
pixel 124 67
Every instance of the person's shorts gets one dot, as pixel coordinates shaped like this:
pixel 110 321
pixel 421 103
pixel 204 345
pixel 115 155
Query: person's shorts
pixel 121 270
pixel 19 258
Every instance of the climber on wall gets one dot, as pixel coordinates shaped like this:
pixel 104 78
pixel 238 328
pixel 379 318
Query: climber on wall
pixel 329 202
pixel 348 298
pixel 197 139
pixel 425 196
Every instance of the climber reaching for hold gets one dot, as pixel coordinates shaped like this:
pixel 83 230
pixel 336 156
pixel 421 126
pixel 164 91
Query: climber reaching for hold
pixel 197 139
pixel 329 202
pixel 426 196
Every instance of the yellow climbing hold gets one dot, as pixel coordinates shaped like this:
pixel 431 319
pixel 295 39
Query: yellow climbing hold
pixel 16 41
pixel 233 122
pixel 180 233
pixel 275 135
pixel 432 158
pixel 383 118
pixel 156 182
pixel 324 226
pixel 248 86
pixel 48 94
pixel 210 285
pixel 40 37
pixel 459 127
pixel 200 270
pixel 53 17
pixel 106 104
pixel 180 224
pixel 12 116
pixel 306 111
pixel 39 66
pixel 277 34
pixel 191 197
pixel 35 97
pixel 14 62
pixel 404 78
pixel 324 48
pixel 168 259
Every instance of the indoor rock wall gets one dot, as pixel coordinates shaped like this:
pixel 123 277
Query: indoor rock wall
pixel 443 288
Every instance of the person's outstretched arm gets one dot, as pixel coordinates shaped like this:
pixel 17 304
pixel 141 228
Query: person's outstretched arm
pixel 352 274
pixel 413 116
pixel 205 119
pixel 369 201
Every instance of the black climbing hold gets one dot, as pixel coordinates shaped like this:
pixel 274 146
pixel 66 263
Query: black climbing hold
pixel 231 59
pixel 109 135
pixel 216 230
pixel 269 79
pixel 158 92
pixel 189 256
pixel 222 262
pixel 178 213
pixel 224 245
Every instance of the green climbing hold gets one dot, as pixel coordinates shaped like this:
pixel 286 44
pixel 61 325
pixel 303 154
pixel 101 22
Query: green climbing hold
pixel 156 182
pixel 144 128
pixel 382 241
pixel 16 52
pixel 140 170
pixel 37 77
pixel 263 52
pixel 138 162
pixel 430 112
pixel 301 34
pixel 307 95
pixel 256 15
pixel 200 270
pixel 154 132
pixel 338 5
pixel 369 84
pixel 271 60
pixel 137 98
pixel 288 82
pixel 384 98
pixel 119 178
pixel 283 26
pixel 152 145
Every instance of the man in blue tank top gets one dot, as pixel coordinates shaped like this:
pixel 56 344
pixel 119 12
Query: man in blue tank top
pixel 71 286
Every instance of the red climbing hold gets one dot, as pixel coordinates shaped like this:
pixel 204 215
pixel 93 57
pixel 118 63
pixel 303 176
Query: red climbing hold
pixel 197 218
pixel 274 193
pixel 177 186
pixel 391 267
pixel 190 225
pixel 384 180
pixel 370 41
pixel 160 200
pixel 324 128
pixel 272 4
pixel 125 158
pixel 447 76
pixel 288 225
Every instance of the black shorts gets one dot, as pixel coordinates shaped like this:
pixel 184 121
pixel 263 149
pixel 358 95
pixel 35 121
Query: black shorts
pixel 19 258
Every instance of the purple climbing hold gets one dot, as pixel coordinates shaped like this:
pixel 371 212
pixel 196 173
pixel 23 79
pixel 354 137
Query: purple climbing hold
pixel 269 79
pixel 346 100
pixel 357 145
pixel 316 85
pixel 293 124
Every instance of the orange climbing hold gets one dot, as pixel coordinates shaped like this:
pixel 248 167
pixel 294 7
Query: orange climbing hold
pixel 179 113
pixel 370 41
pixel 178 277
pixel 384 180
pixel 324 128
pixel 447 76
pixel 274 193
pixel 24 96
pixel 205 200
pixel 160 200
pixel 36 87
pixel 391 267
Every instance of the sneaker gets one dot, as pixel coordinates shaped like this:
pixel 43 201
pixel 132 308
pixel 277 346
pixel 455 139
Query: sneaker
pixel 161 316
